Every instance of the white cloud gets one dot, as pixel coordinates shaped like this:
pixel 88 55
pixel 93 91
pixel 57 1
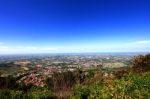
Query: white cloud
pixel 136 46
pixel 143 42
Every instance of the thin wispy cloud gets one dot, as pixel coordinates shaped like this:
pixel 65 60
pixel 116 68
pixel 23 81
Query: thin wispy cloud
pixel 140 42
pixel 40 48
pixel 26 49
pixel 4 47
pixel 143 42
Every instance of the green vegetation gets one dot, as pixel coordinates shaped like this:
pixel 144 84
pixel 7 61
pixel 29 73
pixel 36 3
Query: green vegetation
pixel 133 86
pixel 128 83
pixel 33 93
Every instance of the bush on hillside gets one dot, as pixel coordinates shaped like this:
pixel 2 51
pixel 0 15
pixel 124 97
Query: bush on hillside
pixel 141 63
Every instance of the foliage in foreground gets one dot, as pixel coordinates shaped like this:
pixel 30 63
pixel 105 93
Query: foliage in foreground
pixel 33 93
pixel 132 86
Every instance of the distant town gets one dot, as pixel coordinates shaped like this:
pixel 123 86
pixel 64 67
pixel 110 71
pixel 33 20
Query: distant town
pixel 33 69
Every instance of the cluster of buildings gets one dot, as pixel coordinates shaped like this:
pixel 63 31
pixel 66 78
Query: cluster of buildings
pixel 33 79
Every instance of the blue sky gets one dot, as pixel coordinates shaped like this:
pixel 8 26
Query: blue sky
pixel 70 26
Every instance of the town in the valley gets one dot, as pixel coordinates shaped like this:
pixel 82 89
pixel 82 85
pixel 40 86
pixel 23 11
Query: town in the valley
pixel 33 69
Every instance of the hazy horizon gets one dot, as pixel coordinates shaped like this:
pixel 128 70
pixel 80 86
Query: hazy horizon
pixel 82 53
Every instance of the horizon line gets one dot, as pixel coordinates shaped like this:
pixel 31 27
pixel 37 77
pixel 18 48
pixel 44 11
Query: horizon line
pixel 59 53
